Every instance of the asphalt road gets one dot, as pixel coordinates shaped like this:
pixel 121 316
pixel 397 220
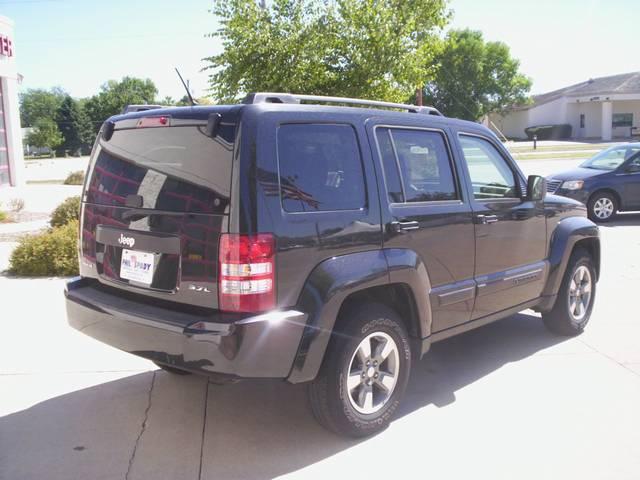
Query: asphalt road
pixel 505 401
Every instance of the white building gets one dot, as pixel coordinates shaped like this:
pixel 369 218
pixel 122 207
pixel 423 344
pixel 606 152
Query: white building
pixel 11 158
pixel 601 108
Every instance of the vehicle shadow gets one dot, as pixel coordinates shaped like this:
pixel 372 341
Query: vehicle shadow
pixel 623 220
pixel 254 429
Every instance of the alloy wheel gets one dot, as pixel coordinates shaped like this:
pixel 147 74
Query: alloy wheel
pixel 580 293
pixel 603 208
pixel 373 373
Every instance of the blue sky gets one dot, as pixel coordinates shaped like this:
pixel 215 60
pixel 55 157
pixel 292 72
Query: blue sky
pixel 79 44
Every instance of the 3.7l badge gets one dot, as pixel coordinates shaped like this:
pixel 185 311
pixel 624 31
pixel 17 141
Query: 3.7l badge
pixel 198 288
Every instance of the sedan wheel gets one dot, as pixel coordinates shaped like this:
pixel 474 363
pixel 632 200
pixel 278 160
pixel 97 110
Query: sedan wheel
pixel 602 207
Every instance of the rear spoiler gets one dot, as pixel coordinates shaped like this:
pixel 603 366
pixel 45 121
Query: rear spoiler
pixel 141 108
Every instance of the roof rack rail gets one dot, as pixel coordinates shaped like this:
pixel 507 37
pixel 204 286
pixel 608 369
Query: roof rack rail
pixel 268 97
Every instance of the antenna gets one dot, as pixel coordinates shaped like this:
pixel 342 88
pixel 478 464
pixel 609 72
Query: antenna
pixel 193 102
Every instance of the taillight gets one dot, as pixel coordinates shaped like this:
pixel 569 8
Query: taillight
pixel 247 272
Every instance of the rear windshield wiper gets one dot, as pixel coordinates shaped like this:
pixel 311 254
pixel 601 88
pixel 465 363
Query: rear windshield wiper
pixel 140 213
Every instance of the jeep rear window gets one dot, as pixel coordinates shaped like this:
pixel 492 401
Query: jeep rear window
pixel 320 168
pixel 417 165
pixel 177 169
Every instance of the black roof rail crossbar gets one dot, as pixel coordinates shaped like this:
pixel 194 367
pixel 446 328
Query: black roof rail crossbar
pixel 268 97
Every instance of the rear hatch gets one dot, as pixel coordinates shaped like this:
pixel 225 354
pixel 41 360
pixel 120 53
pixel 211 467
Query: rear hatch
pixel 156 200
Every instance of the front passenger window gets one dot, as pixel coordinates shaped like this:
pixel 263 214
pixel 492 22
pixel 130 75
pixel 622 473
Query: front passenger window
pixel 490 174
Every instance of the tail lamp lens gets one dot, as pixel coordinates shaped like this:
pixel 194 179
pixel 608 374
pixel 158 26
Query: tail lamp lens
pixel 247 272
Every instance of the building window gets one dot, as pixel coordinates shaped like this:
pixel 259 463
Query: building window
pixel 582 120
pixel 622 120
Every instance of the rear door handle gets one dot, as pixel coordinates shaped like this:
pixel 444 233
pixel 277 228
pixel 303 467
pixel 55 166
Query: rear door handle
pixel 487 219
pixel 402 227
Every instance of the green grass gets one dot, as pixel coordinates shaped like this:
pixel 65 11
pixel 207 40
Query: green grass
pixel 552 156
pixel 557 148
pixel 45 182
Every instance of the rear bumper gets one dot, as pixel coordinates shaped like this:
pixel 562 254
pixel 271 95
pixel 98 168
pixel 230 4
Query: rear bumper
pixel 258 346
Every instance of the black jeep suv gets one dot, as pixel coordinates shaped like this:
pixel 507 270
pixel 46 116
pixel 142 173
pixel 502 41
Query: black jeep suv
pixel 312 243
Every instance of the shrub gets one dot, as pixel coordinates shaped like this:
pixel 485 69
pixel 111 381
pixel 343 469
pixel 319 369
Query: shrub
pixel 4 217
pixel 53 252
pixel 65 212
pixel 16 205
pixel 75 178
pixel 549 132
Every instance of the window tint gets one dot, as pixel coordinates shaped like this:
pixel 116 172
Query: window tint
pixel 174 168
pixel 490 174
pixel 636 158
pixel 114 179
pixel 320 168
pixel 390 166
pixel 424 164
pixel 611 158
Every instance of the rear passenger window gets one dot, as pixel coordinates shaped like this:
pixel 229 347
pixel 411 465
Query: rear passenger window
pixel 390 165
pixel 320 168
pixel 422 159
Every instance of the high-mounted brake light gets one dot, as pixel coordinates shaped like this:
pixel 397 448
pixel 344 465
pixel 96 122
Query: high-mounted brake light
pixel 147 122
pixel 247 272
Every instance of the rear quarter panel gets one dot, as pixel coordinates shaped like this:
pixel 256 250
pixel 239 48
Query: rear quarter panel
pixel 306 239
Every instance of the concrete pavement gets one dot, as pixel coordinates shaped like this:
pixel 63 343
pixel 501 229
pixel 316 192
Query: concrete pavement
pixel 506 401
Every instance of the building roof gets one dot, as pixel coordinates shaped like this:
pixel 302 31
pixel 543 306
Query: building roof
pixel 614 84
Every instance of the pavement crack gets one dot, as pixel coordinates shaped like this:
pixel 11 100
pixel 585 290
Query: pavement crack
pixel 143 427
pixel 204 426
pixel 609 357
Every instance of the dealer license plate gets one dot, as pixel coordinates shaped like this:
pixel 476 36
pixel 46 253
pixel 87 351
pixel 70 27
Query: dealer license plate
pixel 137 266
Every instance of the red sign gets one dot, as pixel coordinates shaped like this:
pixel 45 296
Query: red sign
pixel 6 46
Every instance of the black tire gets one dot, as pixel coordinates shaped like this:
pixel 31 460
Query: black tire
pixel 328 393
pixel 174 370
pixel 593 203
pixel 560 320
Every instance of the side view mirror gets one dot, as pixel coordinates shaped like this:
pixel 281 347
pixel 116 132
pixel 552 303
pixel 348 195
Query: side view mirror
pixel 633 168
pixel 536 188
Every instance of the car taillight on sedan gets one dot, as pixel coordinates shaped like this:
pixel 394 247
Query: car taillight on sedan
pixel 247 272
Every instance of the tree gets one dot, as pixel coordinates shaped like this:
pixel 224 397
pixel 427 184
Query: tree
pixel 45 134
pixel 39 103
pixel 167 100
pixel 74 124
pixel 115 95
pixel 360 48
pixel 475 77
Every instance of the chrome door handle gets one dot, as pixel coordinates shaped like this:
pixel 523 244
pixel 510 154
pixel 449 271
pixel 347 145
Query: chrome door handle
pixel 402 227
pixel 487 219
